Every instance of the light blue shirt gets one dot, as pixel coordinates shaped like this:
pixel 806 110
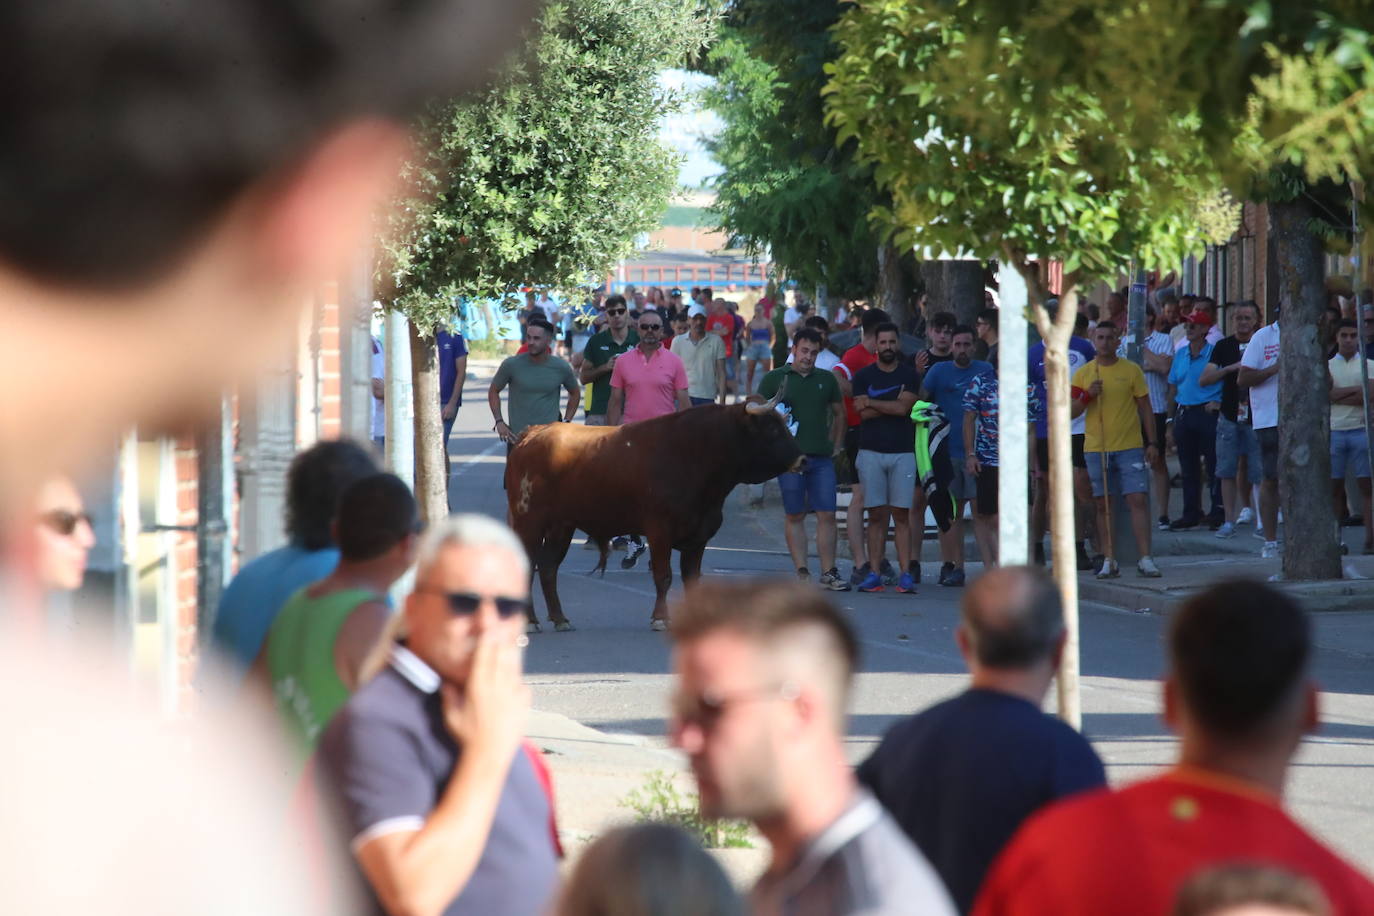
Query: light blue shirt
pixel 1184 375
pixel 252 599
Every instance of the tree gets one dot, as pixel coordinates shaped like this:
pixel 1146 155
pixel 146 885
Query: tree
pixel 992 161
pixel 785 184
pixel 544 178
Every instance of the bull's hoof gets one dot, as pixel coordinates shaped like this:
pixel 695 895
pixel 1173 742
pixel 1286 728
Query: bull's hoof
pixel 533 627
pixel 563 626
pixel 658 625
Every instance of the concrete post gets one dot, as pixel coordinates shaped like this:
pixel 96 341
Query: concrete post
pixel 400 404
pixel 1013 521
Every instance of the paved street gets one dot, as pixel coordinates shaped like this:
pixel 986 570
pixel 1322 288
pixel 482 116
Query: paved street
pixel 611 674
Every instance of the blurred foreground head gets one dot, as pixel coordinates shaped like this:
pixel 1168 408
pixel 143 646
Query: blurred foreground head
pixel 176 177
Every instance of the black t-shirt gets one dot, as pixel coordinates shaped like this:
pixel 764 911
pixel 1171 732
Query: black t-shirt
pixel 887 434
pixel 934 358
pixel 960 777
pixel 1227 352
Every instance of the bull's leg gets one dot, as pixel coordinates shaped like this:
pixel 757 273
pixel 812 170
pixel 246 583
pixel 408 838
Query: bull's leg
pixel 661 566
pixel 532 539
pixel 551 554
pixel 691 563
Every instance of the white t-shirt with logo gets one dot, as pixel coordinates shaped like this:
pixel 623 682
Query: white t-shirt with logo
pixel 1262 353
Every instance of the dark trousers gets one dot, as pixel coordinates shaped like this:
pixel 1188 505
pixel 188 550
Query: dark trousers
pixel 1195 434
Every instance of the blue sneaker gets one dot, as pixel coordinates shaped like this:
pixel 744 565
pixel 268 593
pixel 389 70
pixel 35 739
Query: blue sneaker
pixel 906 584
pixel 871 583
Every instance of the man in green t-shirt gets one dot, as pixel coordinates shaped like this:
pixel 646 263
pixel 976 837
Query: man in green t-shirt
pixel 535 378
pixel 813 397
pixel 598 358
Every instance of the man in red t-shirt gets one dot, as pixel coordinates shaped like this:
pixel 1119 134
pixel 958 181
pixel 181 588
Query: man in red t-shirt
pixel 860 356
pixel 1239 696
pixel 720 322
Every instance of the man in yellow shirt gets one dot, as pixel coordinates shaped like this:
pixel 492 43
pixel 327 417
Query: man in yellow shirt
pixel 1113 394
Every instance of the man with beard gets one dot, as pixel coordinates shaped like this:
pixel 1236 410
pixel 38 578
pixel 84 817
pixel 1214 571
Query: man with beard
pixel 764 672
pixel 945 384
pixel 535 378
pixel 883 397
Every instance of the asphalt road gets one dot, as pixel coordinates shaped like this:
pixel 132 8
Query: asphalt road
pixel 612 672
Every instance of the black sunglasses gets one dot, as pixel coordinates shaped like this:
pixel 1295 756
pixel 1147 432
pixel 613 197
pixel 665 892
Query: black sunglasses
pixel 466 603
pixel 64 522
pixel 615 311
pixel 651 327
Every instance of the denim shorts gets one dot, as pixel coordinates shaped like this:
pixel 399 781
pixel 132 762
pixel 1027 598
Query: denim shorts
pixel 1349 449
pixel 1126 471
pixel 813 490
pixel 1235 440
pixel 759 351
pixel 889 479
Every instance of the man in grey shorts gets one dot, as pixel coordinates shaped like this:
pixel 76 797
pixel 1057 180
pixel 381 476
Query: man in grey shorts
pixel 883 396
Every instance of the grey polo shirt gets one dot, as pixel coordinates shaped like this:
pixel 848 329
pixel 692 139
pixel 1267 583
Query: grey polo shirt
pixel 386 758
pixel 861 864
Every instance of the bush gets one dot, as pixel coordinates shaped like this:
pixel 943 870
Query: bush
pixel 660 801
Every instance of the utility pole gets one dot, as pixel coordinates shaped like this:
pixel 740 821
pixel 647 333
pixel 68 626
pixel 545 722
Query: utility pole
pixel 1135 316
pixel 399 402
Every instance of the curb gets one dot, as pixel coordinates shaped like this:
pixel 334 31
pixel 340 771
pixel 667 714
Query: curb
pixel 1329 595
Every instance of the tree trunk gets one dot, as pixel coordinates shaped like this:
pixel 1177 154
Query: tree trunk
pixel 1311 547
pixel 955 286
pixel 431 483
pixel 1056 333
pixel 893 290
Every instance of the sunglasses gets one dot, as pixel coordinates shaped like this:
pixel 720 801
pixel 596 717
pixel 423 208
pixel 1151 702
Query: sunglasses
pixel 466 603
pixel 64 522
pixel 651 327
pixel 706 709
pixel 615 311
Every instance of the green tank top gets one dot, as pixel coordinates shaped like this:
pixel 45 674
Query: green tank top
pixel 300 660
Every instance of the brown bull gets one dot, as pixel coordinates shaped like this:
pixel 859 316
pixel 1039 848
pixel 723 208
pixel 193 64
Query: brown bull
pixel 666 478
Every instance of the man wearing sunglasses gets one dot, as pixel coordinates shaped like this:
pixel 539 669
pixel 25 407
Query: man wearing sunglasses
pixel 62 536
pixel 445 811
pixel 599 357
pixel 764 672
pixel 649 382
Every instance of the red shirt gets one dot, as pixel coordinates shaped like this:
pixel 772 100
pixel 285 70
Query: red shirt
pixel 855 358
pixel 1127 852
pixel 727 321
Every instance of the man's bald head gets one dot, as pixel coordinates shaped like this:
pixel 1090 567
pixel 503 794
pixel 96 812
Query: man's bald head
pixel 1012 617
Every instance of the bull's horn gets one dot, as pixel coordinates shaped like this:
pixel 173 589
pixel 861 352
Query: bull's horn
pixel 769 404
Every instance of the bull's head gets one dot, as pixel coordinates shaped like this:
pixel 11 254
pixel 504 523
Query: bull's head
pixel 767 449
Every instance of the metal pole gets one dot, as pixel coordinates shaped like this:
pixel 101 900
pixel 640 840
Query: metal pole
pixel 214 499
pixel 1013 522
pixel 399 401
pixel 1135 316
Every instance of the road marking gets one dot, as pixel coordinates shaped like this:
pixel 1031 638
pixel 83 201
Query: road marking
pixel 477 459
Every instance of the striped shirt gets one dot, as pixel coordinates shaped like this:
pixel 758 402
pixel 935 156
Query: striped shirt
pixel 1157 382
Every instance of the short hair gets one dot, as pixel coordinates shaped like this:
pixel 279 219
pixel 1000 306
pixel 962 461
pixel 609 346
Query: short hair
pixel 542 324
pixel 871 318
pixel 887 327
pixel 1013 617
pixel 961 329
pixel 648 868
pixel 767 612
pixel 1238 651
pixel 1107 326
pixel 1211 891
pixel 944 321
pixel 375 514
pixel 466 529
pixel 1350 323
pixel 1168 297
pixel 707 292
pixel 808 334
pixel 1205 302
pixel 1248 304
pixel 817 322
pixel 613 300
pixel 1094 313
pixel 1080 322
pixel 1188 298
pixel 314 482
pixel 989 316
pixel 132 126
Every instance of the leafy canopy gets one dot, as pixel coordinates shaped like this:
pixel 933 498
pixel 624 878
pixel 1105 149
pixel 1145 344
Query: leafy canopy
pixel 548 175
pixel 983 155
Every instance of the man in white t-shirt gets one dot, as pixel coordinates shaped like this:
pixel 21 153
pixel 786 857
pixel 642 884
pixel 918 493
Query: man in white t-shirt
pixel 1259 371
pixel 378 394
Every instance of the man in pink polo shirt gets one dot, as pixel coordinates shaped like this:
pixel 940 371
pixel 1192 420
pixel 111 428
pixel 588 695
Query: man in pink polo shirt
pixel 648 381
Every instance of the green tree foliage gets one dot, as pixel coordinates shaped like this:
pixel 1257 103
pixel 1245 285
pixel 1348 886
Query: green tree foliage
pixel 548 175
pixel 786 185
pixel 544 178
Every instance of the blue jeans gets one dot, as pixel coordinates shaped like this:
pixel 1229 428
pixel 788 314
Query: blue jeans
pixel 1234 441
pixel 813 490
pixel 1195 434
pixel 697 402
pixel 1348 447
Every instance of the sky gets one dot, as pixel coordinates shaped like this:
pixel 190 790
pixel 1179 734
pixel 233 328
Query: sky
pixel 683 130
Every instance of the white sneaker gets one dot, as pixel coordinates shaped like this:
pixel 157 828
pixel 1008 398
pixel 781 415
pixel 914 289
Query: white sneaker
pixel 1270 551
pixel 1147 568
pixel 1246 516
pixel 1109 569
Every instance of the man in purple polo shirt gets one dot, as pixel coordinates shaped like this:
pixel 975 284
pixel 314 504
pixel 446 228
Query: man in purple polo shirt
pixel 648 382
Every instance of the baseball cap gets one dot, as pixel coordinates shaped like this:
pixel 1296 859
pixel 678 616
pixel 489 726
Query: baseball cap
pixel 696 310
pixel 1198 316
